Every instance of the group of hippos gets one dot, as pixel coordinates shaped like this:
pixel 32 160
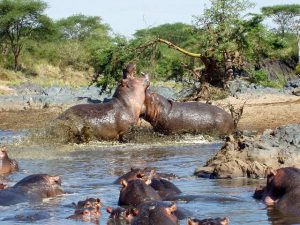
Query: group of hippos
pixel 145 194
pixel 131 101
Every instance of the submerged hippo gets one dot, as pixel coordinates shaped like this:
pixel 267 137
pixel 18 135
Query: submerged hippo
pixel 153 212
pixel 109 120
pixel 282 191
pixel 87 210
pixel 31 188
pixel 7 165
pixel 168 117
pixel 136 192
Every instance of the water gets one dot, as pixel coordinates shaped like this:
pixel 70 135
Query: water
pixel 89 171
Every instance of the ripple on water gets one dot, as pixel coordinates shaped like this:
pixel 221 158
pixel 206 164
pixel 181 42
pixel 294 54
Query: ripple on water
pixel 88 170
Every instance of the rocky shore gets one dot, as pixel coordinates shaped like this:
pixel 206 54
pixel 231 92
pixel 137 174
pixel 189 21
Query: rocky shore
pixel 249 155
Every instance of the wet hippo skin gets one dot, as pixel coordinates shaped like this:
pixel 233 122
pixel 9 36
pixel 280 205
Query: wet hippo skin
pixel 109 120
pixel 168 117
pixel 7 165
pixel 136 192
pixel 282 191
pixel 154 213
pixel 31 188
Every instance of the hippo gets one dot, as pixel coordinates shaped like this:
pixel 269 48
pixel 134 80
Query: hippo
pixel 210 221
pixel 152 212
pixel 137 173
pixel 120 215
pixel 282 190
pixel 164 188
pixel 109 120
pixel 171 117
pixel 7 165
pixel 136 192
pixel 129 71
pixel 31 188
pixel 89 214
pixel 89 202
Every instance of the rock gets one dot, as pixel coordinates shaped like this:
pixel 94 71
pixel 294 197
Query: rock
pixel 250 156
pixel 296 91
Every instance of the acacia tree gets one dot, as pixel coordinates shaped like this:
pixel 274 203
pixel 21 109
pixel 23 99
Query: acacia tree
pixel 283 15
pixel 19 20
pixel 79 27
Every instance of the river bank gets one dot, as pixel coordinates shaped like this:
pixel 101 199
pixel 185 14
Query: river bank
pixel 30 106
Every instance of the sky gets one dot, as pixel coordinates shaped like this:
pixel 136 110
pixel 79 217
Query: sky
pixel 127 16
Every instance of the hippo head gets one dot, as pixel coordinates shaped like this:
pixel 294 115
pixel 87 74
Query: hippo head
pixel 132 90
pixel 3 153
pixel 121 214
pixel 129 71
pixel 42 184
pixel 137 191
pixel 86 214
pixel 89 203
pixel 7 165
pixel 156 213
pixel 154 105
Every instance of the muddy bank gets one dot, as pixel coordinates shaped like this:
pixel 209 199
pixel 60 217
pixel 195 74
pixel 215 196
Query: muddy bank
pixel 250 155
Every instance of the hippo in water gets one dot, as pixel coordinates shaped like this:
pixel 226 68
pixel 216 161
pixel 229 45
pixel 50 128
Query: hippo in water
pixel 169 117
pixel 109 120
pixel 282 191
pixel 31 188
pixel 7 165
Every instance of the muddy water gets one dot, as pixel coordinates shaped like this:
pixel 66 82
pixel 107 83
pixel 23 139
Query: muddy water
pixel 89 171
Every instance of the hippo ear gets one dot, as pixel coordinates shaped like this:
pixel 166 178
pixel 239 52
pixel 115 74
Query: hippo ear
pixel 191 222
pixel 270 172
pixel 172 208
pixel 55 180
pixel 124 183
pixel 109 210
pixel 134 211
pixel 148 181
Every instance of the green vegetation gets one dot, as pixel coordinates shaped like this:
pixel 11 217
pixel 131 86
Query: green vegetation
pixel 80 49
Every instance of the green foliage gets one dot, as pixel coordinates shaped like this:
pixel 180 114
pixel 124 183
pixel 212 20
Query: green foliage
pixel 283 15
pixel 261 77
pixel 297 69
pixel 80 27
pixel 19 21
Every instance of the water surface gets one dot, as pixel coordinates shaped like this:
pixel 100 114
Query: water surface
pixel 89 170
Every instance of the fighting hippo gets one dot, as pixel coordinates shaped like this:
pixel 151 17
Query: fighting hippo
pixel 31 188
pixel 168 117
pixel 211 221
pixel 109 120
pixel 153 212
pixel 282 190
pixel 136 192
pixel 7 165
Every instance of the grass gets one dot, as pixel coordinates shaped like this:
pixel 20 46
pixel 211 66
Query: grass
pixel 45 76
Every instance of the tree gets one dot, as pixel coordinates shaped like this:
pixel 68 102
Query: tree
pixel 219 26
pixel 79 27
pixel 283 15
pixel 19 20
